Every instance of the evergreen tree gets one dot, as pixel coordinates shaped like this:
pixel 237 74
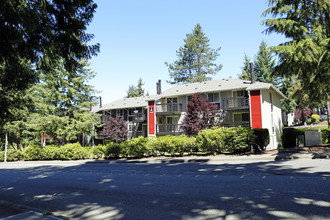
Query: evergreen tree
pixel 306 25
pixel 62 102
pixel 136 91
pixel 195 59
pixel 264 65
pixel 246 72
pixel 39 33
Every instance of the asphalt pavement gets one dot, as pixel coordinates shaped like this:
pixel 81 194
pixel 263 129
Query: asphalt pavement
pixel 10 210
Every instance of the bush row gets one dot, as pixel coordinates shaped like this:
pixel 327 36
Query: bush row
pixel 290 136
pixel 217 140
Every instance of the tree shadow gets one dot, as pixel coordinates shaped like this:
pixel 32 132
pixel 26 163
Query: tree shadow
pixel 243 190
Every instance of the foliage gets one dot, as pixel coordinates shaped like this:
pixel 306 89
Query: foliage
pixel 261 139
pixel 306 55
pixel 137 147
pixel 315 117
pixel 225 140
pixel 195 59
pixel 289 138
pixel 99 151
pixel 115 129
pixel 264 65
pixel 136 91
pixel 201 114
pixel 325 135
pixel 34 36
pixel 12 155
pixel 246 70
pixel 114 150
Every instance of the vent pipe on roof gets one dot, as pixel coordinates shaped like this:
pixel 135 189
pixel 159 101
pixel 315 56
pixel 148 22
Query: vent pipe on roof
pixel 159 87
pixel 100 102
pixel 252 72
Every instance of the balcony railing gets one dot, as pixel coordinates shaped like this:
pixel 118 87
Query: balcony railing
pixel 168 129
pixel 235 103
pixel 236 124
pixel 169 108
pixel 138 117
pixel 104 118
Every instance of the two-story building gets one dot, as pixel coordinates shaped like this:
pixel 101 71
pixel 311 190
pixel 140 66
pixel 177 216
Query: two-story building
pixel 246 103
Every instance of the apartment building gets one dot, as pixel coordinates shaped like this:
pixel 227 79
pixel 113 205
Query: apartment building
pixel 246 103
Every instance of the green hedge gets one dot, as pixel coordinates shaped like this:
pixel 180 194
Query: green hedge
pixel 225 140
pixel 261 139
pixel 217 140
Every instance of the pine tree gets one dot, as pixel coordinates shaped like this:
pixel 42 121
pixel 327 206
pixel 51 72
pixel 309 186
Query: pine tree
pixel 306 25
pixel 246 72
pixel 62 102
pixel 34 35
pixel 195 59
pixel 264 65
pixel 136 91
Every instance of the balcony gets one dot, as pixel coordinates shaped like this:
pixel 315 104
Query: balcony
pixel 235 103
pixel 236 124
pixel 104 118
pixel 169 108
pixel 165 129
pixel 138 117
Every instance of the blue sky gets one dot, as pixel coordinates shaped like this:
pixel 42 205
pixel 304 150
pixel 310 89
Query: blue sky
pixel 137 37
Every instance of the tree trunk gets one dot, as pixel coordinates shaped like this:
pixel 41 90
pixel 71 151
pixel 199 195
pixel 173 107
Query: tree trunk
pixel 328 110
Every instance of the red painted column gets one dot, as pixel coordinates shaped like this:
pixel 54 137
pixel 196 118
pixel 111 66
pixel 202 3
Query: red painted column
pixel 151 119
pixel 255 105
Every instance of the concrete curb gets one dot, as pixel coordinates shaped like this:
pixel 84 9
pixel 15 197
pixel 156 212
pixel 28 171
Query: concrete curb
pixel 25 212
pixel 271 157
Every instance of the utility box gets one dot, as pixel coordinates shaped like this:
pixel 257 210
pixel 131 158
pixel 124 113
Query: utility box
pixel 313 138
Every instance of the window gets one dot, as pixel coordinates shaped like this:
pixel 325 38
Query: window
pixel 241 93
pixel 171 104
pixel 271 101
pixel 189 97
pixel 241 117
pixel 213 97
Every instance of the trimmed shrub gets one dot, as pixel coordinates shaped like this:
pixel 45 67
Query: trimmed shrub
pixel 315 117
pixel 225 140
pixel 12 155
pixel 33 152
pixel 137 147
pixel 289 137
pixel 261 139
pixel 325 135
pixel 113 150
pixel 99 151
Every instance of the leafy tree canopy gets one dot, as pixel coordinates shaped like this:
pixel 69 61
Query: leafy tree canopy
pixel 201 114
pixel 196 60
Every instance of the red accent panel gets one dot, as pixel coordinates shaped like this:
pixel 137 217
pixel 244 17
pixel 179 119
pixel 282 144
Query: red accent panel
pixel 151 118
pixel 255 109
pixel 43 137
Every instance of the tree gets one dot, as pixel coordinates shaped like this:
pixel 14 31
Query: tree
pixel 195 59
pixel 201 114
pixel 34 35
pixel 264 65
pixel 115 129
pixel 246 72
pixel 306 25
pixel 62 102
pixel 136 91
